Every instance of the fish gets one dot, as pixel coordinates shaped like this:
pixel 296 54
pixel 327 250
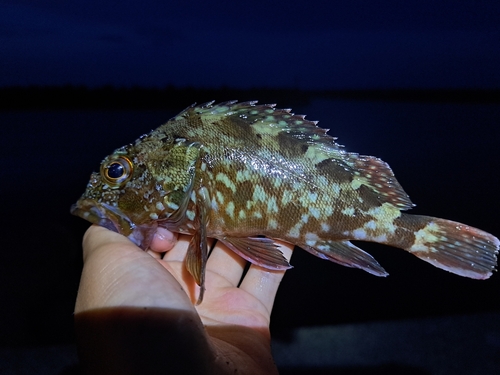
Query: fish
pixel 248 174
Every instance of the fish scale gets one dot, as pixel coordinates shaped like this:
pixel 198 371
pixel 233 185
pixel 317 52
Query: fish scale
pixel 249 174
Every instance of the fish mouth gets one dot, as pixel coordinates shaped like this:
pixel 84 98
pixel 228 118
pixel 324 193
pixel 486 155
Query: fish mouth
pixel 114 219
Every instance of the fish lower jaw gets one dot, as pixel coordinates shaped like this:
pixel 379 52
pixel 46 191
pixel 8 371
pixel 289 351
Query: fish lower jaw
pixel 113 219
pixel 95 216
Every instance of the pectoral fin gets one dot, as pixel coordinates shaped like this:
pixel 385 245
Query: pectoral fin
pixel 196 260
pixel 261 251
pixel 197 254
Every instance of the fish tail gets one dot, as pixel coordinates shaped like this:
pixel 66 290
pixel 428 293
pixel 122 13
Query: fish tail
pixel 452 246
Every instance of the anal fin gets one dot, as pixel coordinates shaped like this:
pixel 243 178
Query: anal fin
pixel 346 254
pixel 260 251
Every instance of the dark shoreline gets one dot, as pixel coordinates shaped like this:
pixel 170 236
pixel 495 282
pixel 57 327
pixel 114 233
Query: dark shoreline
pixel 111 98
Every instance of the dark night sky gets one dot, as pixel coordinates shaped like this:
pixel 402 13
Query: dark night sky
pixel 305 44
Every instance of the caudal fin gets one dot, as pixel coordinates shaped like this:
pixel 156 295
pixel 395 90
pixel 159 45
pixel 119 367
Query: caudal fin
pixel 455 247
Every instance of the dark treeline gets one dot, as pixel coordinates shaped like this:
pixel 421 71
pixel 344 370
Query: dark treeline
pixel 108 97
pixel 418 95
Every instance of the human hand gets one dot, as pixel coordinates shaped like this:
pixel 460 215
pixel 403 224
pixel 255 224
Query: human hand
pixel 135 314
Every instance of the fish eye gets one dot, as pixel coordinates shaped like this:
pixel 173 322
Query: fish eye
pixel 117 170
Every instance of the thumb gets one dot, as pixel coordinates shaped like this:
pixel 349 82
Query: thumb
pixel 118 273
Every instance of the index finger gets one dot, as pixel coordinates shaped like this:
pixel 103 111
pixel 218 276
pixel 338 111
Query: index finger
pixel 263 283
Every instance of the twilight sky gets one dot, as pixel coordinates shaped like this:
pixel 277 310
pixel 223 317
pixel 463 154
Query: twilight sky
pixel 295 43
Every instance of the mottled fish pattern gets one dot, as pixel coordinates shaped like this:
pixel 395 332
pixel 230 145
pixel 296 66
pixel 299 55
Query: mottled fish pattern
pixel 246 174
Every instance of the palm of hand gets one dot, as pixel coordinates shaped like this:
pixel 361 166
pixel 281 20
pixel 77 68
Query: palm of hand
pixel 234 320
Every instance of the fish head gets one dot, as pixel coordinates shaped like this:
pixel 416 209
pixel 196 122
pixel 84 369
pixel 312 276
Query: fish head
pixel 140 186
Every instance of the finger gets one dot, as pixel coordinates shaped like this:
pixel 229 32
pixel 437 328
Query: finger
pixel 178 252
pixel 174 259
pixel 263 283
pixel 226 263
pixel 163 240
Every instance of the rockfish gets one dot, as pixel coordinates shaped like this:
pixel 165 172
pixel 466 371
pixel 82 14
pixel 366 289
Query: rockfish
pixel 248 174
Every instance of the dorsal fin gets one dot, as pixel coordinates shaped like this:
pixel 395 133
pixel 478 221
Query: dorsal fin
pixel 280 120
pixel 379 177
pixel 265 119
